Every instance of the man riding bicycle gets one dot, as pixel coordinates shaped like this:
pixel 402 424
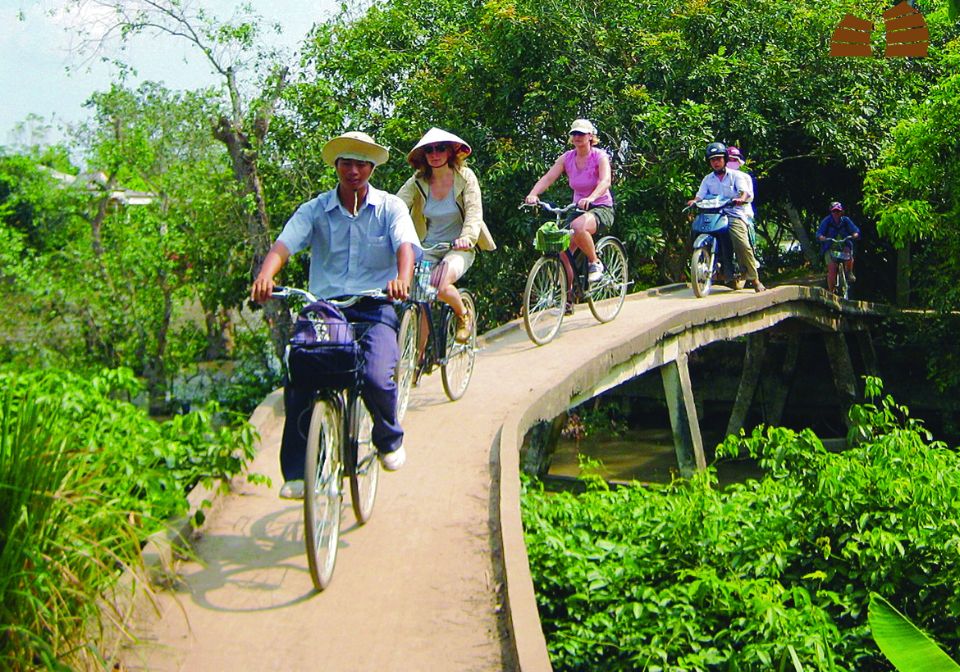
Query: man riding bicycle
pixel 837 226
pixel 360 238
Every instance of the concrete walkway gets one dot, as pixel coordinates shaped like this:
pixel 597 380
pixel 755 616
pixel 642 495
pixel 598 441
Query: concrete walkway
pixel 420 587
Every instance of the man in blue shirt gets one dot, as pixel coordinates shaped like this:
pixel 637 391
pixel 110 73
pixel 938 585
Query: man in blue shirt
pixel 360 238
pixel 838 226
pixel 732 184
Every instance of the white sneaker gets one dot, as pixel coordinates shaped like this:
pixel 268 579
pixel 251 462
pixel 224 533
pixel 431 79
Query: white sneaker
pixel 292 490
pixel 393 461
pixel 595 271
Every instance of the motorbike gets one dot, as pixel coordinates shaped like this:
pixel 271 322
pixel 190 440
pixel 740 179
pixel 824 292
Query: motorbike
pixel 706 262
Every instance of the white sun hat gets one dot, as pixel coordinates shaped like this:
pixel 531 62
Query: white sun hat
pixel 354 145
pixel 435 135
pixel 583 126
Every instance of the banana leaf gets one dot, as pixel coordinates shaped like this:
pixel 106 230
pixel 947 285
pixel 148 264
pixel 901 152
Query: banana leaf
pixel 903 643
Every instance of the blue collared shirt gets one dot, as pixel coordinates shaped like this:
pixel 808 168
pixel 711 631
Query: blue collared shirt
pixel 733 182
pixel 350 254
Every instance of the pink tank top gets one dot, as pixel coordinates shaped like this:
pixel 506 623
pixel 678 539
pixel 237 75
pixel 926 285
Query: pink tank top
pixel 584 181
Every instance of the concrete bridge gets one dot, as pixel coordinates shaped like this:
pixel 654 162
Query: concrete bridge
pixel 438 579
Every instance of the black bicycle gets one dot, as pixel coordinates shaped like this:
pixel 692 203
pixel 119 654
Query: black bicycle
pixel 339 445
pixel 439 346
pixel 545 295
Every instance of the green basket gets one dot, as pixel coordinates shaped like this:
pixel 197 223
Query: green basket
pixel 551 239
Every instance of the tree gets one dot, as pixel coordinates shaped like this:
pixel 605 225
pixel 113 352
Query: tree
pixel 253 79
pixel 659 80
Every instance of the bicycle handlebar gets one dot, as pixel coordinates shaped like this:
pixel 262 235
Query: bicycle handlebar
pixel 344 302
pixel 837 240
pixel 549 207
pixel 438 247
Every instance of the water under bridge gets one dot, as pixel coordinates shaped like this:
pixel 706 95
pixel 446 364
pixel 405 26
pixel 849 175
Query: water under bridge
pixel 438 579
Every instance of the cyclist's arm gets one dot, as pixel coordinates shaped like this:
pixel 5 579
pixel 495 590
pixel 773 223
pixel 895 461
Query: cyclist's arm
pixel 263 285
pixel 556 170
pixel 399 287
pixel 472 211
pixel 744 188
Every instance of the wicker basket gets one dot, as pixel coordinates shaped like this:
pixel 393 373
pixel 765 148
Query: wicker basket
pixel 551 239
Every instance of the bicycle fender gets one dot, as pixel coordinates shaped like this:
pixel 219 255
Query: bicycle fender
pixel 705 240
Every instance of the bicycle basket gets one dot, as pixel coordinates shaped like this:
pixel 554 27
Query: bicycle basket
pixel 323 352
pixel 550 238
pixel 840 253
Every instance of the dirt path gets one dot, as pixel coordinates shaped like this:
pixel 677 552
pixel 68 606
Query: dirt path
pixel 414 589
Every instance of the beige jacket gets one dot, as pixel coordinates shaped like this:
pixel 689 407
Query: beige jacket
pixel 466 192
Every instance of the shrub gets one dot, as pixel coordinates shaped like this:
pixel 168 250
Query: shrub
pixel 689 577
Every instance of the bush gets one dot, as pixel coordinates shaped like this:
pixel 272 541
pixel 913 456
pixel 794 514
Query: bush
pixel 85 477
pixel 689 577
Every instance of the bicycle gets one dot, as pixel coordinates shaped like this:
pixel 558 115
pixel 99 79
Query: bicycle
pixel 840 254
pixel 545 294
pixel 440 349
pixel 339 445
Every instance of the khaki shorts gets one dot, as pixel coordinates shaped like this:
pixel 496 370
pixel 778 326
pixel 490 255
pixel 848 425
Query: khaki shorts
pixel 458 260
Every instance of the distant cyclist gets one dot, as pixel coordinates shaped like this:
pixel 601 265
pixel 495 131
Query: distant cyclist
pixel 838 226
pixel 589 175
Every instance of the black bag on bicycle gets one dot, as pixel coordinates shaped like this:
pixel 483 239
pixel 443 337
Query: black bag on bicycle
pixel 323 352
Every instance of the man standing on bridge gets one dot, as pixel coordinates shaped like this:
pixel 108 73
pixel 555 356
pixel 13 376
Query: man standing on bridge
pixel 735 185
pixel 360 238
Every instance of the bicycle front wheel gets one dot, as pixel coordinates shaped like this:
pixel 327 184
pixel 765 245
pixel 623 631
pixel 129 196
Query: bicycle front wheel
pixel 843 286
pixel 701 271
pixel 544 299
pixel 407 362
pixel 322 492
pixel 606 296
pixel 365 467
pixel 460 357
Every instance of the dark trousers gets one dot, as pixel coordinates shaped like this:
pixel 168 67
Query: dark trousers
pixel 377 388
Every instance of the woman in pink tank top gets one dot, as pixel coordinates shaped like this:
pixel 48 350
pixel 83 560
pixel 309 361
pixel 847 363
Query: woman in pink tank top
pixel 588 173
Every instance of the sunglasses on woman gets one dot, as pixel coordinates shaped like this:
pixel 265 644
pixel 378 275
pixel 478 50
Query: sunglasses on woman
pixel 577 133
pixel 435 149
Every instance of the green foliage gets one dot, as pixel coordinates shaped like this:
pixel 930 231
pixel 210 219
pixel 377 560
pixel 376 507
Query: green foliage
pixel 760 574
pixel 903 643
pixel 85 477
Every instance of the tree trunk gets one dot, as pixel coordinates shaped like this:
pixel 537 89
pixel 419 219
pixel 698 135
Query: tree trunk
pixel 903 276
pixel 810 252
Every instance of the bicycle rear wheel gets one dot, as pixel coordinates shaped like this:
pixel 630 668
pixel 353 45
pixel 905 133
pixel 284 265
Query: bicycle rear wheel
pixel 322 492
pixel 544 299
pixel 407 362
pixel 364 467
pixel 606 296
pixel 460 357
pixel 701 270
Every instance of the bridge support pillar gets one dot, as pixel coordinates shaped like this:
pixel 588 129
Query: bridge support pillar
pixel 749 379
pixel 776 388
pixel 842 367
pixel 683 415
pixel 537 454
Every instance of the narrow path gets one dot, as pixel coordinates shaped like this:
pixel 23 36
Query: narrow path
pixel 419 586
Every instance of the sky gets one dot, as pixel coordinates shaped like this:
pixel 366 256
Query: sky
pixel 35 54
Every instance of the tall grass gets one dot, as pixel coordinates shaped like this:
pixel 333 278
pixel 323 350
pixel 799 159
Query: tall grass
pixel 64 538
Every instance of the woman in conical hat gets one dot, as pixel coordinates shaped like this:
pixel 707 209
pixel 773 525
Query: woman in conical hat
pixel 444 200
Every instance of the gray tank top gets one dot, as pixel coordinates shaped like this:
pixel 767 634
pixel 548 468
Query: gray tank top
pixel 444 221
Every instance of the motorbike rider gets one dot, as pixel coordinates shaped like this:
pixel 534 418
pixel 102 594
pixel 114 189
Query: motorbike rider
pixel 735 185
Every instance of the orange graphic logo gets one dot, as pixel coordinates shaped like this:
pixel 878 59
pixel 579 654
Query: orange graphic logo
pixel 905 34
